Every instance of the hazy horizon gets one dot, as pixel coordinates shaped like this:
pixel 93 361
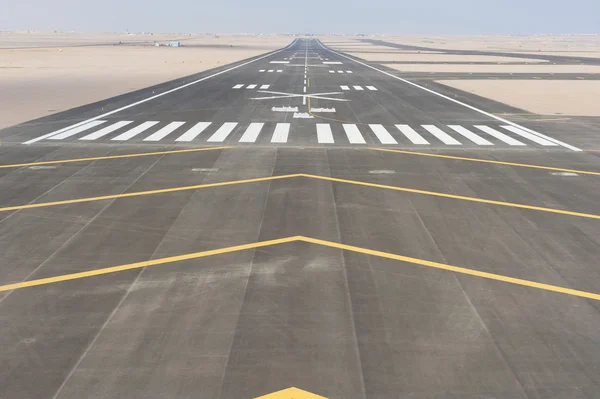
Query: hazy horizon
pixel 387 17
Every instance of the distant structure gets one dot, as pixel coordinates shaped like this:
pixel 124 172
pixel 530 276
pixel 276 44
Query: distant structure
pixel 174 44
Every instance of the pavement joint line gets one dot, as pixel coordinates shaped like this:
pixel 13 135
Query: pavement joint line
pixel 142 154
pixel 325 243
pixel 523 165
pixel 317 177
pixel 51 134
pixel 543 136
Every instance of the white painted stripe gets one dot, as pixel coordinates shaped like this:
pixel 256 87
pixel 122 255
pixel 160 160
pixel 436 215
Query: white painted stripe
pixel 265 86
pixel 358 88
pixel 529 136
pixel 106 130
pixel 271 70
pixel 222 133
pixel 251 87
pixel 164 132
pixel 331 71
pixel 324 135
pixel 79 129
pixel 332 62
pixel 353 134
pixel 47 135
pixel 441 135
pixel 372 88
pixel 194 131
pixel 349 72
pixel 237 86
pixel 281 133
pixel 262 70
pixel 279 70
pixel 457 101
pixel 470 135
pixel 251 133
pixel 340 71
pixel 344 87
pixel 499 135
pixel 412 135
pixel 382 134
pixel 279 62
pixel 135 131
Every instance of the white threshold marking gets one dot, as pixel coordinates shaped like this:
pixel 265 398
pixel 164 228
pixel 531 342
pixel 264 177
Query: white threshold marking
pixel 382 134
pixel 271 70
pixel 221 134
pixel 412 135
pixel 79 129
pixel 372 88
pixel 349 72
pixel 250 87
pixel 251 134
pixel 353 134
pixel 543 136
pixel 106 130
pixel 48 135
pixel 340 71
pixel 237 86
pixel 194 131
pixel 470 135
pixel 332 62
pixel 135 131
pixel 279 62
pixel 499 135
pixel 345 88
pixel 279 70
pixel 262 70
pixel 331 71
pixel 358 88
pixel 281 133
pixel 324 134
pixel 265 86
pixel 529 136
pixel 441 135
pixel 164 132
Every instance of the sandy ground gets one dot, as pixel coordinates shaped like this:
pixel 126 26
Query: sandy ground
pixel 458 68
pixel 439 58
pixel 36 82
pixel 545 97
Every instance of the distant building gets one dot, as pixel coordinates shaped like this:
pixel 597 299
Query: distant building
pixel 174 44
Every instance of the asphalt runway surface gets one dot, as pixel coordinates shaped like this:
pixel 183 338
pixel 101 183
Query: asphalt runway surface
pixel 231 250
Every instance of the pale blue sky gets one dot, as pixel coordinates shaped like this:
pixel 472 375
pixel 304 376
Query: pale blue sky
pixel 324 16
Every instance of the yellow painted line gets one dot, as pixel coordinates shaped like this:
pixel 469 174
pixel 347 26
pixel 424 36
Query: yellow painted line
pixel 138 265
pixel 552 120
pixel 141 193
pixel 330 244
pixel 144 154
pixel 459 197
pixel 523 165
pixel 456 269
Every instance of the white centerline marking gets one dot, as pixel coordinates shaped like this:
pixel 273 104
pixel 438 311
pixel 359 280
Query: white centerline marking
pixel 221 134
pixel 135 131
pixel 324 135
pixel 194 131
pixel 353 134
pixel 47 135
pixel 281 133
pixel 162 133
pixel 441 135
pixel 79 129
pixel 251 134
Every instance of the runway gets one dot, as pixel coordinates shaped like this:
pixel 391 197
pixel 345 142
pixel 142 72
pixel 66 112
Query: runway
pixel 228 235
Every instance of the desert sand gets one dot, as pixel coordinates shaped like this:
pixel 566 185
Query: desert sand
pixel 40 76
pixel 440 58
pixel 458 68
pixel 545 97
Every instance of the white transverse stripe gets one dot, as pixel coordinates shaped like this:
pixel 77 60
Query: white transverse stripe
pixel 470 135
pixel 238 86
pixel 262 70
pixel 194 131
pixel 79 129
pixel 410 134
pixel 251 134
pixel 222 133
pixel 135 131
pixel 106 130
pixel 279 62
pixel 382 134
pixel 372 88
pixel 47 135
pixel 529 136
pixel 499 135
pixel 358 88
pixel 441 135
pixel 281 133
pixel 324 134
pixel 265 86
pixel 250 87
pixel 353 134
pixel 162 133
pixel 344 87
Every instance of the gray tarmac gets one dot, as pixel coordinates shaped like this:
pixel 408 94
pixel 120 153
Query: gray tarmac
pixel 341 322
